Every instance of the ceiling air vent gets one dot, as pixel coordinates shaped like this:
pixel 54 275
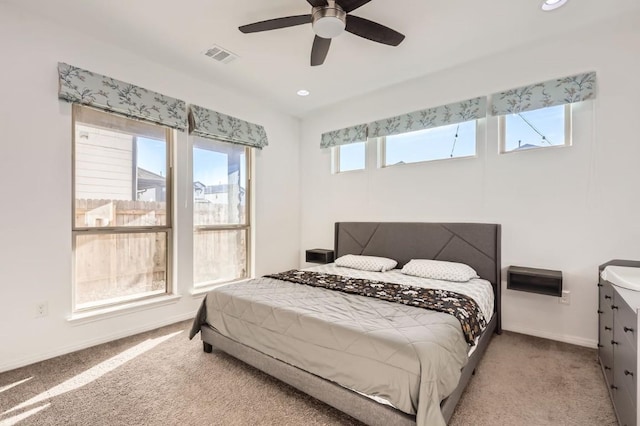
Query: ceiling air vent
pixel 220 54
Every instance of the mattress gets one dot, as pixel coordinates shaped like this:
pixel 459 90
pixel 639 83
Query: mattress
pixel 408 356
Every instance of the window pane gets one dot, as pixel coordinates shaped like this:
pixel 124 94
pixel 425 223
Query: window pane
pixel 219 183
pixel 534 129
pixel 116 267
pixel 219 256
pixel 120 175
pixel 352 157
pixel 456 140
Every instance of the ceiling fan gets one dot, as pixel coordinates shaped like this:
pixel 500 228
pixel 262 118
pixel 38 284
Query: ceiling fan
pixel 329 19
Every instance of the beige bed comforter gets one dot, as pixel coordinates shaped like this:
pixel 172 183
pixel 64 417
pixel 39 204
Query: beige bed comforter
pixel 409 356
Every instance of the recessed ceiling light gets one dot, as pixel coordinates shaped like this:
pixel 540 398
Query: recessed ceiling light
pixel 549 5
pixel 303 92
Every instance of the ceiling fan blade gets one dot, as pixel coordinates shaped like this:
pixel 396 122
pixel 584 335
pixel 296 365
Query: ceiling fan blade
pixel 373 31
pixel 351 5
pixel 318 3
pixel 274 24
pixel 319 50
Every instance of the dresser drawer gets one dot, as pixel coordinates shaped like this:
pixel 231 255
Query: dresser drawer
pixel 605 326
pixel 624 369
pixel 625 407
pixel 605 300
pixel 627 320
pixel 606 293
pixel 605 354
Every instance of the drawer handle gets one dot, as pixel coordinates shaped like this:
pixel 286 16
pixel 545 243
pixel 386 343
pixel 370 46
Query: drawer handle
pixel 627 329
pixel 606 296
pixel 607 368
pixel 628 373
pixel 614 307
pixel 607 328
pixel 599 285
pixel 614 387
pixel 613 342
pixel 600 346
pixel 600 312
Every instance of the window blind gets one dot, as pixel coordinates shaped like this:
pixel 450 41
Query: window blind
pixel 215 125
pixel 560 91
pixel 80 86
pixel 471 109
pixel 344 136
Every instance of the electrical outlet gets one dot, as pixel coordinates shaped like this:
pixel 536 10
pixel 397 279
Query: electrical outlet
pixel 566 297
pixel 42 309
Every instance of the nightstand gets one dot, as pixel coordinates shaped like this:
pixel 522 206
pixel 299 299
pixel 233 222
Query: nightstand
pixel 534 280
pixel 319 256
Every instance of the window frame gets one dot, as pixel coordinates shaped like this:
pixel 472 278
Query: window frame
pixel 167 228
pixel 246 227
pixel 335 158
pixel 382 149
pixel 568 133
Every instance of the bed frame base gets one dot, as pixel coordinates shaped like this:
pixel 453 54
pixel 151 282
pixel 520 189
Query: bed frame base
pixel 352 403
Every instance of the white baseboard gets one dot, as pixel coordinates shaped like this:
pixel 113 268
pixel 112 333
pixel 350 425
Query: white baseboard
pixel 42 356
pixel 574 340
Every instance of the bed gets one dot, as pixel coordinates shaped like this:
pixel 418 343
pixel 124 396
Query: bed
pixel 331 345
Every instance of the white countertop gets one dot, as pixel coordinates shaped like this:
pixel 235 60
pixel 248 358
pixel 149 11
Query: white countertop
pixel 627 281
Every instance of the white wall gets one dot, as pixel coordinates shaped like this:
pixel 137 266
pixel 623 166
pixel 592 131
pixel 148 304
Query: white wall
pixel 35 196
pixel 564 208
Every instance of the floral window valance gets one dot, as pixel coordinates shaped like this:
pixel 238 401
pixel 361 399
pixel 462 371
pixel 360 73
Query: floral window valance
pixel 344 136
pixel 215 125
pixel 560 91
pixel 88 88
pixel 444 115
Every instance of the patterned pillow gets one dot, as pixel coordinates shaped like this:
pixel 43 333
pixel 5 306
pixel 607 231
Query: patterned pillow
pixel 366 263
pixel 439 270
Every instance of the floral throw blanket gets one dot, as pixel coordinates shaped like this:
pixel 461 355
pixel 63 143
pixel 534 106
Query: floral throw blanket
pixel 464 308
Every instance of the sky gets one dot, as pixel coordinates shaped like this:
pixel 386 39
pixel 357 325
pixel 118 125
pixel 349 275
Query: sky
pixel 548 121
pixel 209 167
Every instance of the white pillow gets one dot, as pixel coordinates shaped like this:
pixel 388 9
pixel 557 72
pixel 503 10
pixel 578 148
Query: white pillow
pixel 366 263
pixel 439 270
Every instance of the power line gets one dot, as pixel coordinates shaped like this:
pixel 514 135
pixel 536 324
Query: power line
pixel 455 138
pixel 544 138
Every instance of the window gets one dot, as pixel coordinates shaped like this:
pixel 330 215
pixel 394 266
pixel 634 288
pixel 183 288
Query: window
pixel 540 128
pixel 122 209
pixel 436 143
pixel 220 212
pixel 349 157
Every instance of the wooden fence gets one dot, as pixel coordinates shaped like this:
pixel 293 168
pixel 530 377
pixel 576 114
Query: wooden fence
pixel 118 265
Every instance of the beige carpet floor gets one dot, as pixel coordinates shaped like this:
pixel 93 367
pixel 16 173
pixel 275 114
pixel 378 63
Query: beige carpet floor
pixel 162 378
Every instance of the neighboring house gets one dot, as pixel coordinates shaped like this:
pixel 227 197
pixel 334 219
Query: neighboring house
pixel 526 146
pixel 198 191
pixel 150 186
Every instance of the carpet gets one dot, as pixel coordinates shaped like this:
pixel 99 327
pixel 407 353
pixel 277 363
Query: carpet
pixel 162 378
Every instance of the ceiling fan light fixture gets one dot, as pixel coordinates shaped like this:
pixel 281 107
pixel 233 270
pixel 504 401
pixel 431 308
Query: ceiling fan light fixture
pixel 550 5
pixel 329 22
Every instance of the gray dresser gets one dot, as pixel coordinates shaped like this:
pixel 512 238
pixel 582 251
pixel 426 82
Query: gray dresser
pixel 618 343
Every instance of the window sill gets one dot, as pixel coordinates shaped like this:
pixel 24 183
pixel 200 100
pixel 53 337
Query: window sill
pixel 124 309
pixel 201 291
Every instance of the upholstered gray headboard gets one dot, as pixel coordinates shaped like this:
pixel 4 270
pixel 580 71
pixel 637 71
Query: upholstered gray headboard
pixel 476 244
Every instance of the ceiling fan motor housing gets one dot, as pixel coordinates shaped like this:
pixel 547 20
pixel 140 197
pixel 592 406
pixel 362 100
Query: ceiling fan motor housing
pixel 329 21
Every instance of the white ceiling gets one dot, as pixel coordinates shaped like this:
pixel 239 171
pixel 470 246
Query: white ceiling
pixel 273 65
